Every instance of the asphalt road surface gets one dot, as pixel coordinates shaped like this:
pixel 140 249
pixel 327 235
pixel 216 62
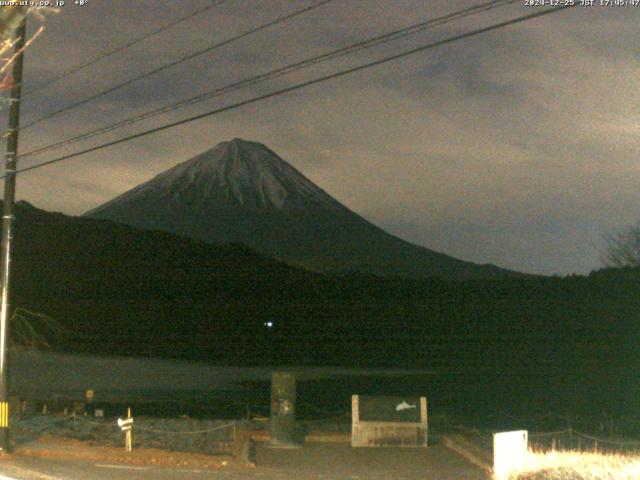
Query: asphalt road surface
pixel 313 462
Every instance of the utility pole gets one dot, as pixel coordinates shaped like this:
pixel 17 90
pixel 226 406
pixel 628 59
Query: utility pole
pixel 7 226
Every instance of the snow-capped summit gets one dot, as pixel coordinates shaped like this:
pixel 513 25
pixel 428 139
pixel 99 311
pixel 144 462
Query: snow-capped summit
pixel 242 192
pixel 234 174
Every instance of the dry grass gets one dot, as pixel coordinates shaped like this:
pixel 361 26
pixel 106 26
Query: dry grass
pixel 572 465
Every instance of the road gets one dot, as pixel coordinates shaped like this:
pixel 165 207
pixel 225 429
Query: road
pixel 314 462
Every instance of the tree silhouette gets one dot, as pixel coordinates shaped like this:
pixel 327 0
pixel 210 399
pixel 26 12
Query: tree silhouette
pixel 623 249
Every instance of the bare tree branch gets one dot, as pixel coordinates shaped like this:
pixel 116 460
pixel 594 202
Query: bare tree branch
pixel 623 249
pixel 34 330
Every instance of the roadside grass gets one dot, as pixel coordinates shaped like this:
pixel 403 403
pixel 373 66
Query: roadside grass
pixel 575 465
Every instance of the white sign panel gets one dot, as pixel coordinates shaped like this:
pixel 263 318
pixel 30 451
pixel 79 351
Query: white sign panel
pixel 509 452
pixel 126 424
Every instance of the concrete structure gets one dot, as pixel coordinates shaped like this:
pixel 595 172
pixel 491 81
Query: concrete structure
pixel 389 421
pixel 283 410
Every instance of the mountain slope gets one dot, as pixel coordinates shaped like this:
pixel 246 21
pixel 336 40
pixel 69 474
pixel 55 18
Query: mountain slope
pixel 242 192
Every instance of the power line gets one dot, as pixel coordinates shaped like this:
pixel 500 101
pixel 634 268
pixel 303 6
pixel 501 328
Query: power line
pixel 369 43
pixel 299 86
pixel 179 61
pixel 120 49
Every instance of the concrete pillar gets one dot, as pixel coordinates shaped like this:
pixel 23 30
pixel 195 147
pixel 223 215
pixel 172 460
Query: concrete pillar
pixel 283 410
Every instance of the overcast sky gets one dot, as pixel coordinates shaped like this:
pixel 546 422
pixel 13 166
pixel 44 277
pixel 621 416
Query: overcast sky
pixel 518 147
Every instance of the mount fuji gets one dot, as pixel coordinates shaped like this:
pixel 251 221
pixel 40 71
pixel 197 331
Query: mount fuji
pixel 242 192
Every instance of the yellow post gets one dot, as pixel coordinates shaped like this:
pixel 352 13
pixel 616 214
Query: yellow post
pixel 4 414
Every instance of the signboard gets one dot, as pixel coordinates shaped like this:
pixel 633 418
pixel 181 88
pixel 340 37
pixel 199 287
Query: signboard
pixel 389 421
pixel 125 424
pixel 389 409
pixel 509 452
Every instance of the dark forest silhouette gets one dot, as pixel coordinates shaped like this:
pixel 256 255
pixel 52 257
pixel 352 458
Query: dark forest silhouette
pixel 120 290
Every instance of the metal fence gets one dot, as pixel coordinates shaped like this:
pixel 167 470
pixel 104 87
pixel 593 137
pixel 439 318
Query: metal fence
pixel 571 439
pixel 566 439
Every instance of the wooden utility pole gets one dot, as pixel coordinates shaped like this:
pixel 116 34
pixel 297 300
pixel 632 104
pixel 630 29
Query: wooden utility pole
pixel 7 227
